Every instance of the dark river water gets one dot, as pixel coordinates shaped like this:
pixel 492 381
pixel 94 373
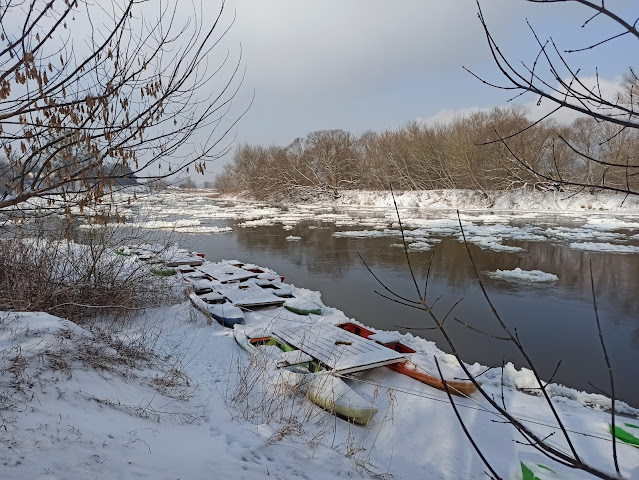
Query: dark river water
pixel 554 322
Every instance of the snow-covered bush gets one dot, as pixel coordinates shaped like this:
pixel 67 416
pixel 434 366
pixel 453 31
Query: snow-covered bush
pixel 79 281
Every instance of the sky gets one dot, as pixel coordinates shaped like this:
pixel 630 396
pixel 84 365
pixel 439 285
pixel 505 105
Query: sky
pixel 362 65
pixel 365 65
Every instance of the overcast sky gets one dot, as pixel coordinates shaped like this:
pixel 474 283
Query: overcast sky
pixel 372 65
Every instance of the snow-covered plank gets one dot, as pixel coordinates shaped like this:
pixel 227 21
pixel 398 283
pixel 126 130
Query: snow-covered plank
pixel 225 272
pixel 181 258
pixel 248 295
pixel 342 351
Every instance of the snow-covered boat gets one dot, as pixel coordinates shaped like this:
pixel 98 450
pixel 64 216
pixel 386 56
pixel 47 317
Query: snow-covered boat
pixel 226 272
pixel 248 295
pixel 277 288
pixel 301 371
pixel 457 387
pixel 182 257
pixel 171 256
pixel 199 286
pixel 163 271
pixel 215 306
pixel 302 306
pixel 262 272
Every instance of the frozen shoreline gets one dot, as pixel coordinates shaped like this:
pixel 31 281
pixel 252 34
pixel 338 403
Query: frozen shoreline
pixel 96 425
pixel 496 201
pixel 222 414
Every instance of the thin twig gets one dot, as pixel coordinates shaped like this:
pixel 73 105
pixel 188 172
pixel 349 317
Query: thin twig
pixel 609 366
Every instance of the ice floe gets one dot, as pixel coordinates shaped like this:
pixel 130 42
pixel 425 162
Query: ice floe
pixel 604 247
pixel 517 274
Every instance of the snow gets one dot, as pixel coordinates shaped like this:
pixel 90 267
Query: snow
pixel 88 423
pixel 75 406
pixel 518 274
pixel 487 217
pixel 488 242
pixel 521 199
pixel 419 246
pixel 384 337
pixel 367 233
pixel 604 247
pixel 581 234
pixel 611 224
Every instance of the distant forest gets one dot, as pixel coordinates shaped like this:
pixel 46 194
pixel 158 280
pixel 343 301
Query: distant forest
pixel 466 153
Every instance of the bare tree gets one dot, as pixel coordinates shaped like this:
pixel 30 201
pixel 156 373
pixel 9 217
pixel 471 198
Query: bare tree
pixel 551 77
pixel 332 156
pixel 96 95
pixel 188 184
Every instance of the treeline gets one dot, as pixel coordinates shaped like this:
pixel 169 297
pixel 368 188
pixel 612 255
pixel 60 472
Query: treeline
pixel 465 153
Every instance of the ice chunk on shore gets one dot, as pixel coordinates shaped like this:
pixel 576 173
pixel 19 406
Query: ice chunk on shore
pixel 604 247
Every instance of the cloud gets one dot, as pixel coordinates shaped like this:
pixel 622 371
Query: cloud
pixel 447 115
pixel 608 89
pixel 341 46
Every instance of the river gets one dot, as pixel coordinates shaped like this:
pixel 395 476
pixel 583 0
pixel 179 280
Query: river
pixel 554 321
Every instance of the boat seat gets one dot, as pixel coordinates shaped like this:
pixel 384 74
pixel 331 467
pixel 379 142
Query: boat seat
pixel 294 357
pixel 384 337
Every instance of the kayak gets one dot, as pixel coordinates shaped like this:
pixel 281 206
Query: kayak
pixel 215 306
pixel 457 387
pixel 302 306
pixel 320 385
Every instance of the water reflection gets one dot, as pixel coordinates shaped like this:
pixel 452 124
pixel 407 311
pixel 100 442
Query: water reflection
pixel 554 322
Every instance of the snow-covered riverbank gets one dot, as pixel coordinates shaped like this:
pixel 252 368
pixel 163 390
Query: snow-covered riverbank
pixel 76 408
pixel 519 200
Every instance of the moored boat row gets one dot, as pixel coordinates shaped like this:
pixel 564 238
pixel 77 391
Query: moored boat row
pixel 312 354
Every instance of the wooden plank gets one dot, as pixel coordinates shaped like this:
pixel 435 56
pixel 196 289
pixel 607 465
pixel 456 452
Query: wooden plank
pixel 226 273
pixel 249 295
pixel 338 349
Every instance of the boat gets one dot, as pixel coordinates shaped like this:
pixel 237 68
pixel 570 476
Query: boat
pixel 199 286
pixel 215 306
pixel 248 295
pixel 184 269
pixel 301 306
pixel 302 371
pixel 182 257
pixel 337 349
pixel 163 272
pixel 171 256
pixel 262 272
pixel 225 272
pixel 457 387
pixel 623 433
pixel 283 290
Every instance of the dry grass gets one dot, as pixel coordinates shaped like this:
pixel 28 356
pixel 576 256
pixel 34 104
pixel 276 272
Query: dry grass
pixel 80 282
pixel 260 395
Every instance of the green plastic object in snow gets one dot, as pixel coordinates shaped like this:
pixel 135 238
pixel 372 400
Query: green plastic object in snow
pixel 624 436
pixel 529 474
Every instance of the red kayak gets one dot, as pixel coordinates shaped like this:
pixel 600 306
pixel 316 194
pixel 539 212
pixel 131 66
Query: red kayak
pixel 456 387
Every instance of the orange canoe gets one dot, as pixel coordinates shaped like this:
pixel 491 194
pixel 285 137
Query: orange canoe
pixel 457 387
